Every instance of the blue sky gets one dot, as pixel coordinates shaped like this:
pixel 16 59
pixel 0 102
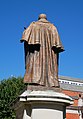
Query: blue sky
pixel 66 15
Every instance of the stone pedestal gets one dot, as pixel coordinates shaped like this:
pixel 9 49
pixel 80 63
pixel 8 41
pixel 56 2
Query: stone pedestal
pixel 46 104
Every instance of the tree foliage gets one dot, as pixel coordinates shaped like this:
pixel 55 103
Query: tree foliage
pixel 9 91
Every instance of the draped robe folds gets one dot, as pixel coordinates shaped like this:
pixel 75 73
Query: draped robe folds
pixel 42 47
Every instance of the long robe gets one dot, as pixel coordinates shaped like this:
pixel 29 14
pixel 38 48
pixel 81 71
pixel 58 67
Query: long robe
pixel 42 47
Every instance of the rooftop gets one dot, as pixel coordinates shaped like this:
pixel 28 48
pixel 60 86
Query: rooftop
pixel 71 79
pixel 73 84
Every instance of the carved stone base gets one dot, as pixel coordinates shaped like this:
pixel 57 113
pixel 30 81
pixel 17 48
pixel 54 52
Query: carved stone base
pixel 42 88
pixel 39 102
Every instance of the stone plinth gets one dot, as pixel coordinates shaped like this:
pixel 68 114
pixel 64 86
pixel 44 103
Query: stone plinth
pixel 40 104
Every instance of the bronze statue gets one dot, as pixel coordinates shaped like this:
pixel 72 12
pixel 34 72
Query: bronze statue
pixel 42 47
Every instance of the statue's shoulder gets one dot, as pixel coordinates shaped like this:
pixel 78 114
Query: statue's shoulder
pixel 34 23
pixel 53 27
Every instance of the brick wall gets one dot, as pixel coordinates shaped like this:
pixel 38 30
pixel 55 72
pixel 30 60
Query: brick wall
pixel 73 94
pixel 72 116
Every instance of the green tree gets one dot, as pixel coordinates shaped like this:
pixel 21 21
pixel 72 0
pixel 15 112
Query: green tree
pixel 9 91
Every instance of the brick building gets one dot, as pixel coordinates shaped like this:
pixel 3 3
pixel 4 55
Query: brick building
pixel 74 88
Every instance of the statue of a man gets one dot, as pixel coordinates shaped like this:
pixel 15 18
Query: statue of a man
pixel 42 46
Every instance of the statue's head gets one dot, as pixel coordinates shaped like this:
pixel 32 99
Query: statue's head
pixel 42 16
